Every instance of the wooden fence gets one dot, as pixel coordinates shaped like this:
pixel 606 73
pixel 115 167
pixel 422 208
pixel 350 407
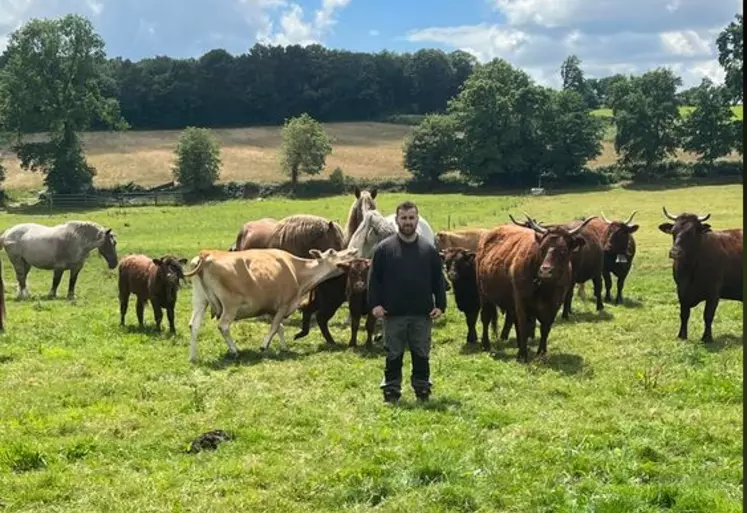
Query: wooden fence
pixel 128 199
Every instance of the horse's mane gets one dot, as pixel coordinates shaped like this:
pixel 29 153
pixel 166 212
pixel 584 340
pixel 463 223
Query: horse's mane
pixel 88 232
pixel 374 220
pixel 300 232
pixel 355 214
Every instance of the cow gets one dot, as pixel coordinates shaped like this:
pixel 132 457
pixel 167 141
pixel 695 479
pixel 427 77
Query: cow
pixel 155 280
pixel 324 302
pixel 466 239
pixel 527 273
pixel 707 266
pixel 356 292
pixel 587 260
pixel 460 269
pixel 245 284
pixel 619 250
pixel 255 234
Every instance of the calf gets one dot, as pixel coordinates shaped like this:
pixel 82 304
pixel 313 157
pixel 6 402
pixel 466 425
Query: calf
pixel 706 266
pixel 356 289
pixel 619 250
pixel 461 271
pixel 324 301
pixel 155 280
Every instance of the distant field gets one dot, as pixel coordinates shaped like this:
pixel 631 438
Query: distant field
pixel 737 109
pixel 620 417
pixel 364 149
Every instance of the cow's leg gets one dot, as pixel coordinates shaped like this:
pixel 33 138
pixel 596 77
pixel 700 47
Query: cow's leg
pixel 620 284
pixel 608 285
pixel 531 326
pixel 199 306
pixel 471 319
pixel 322 320
pixel 170 315
pixel 508 323
pixel 708 313
pixel 140 310
pixel 544 333
pixel 370 326
pixel 157 314
pixel 486 311
pixel 224 325
pixel 124 298
pixel 274 327
pixel 567 303
pixel 597 280
pixel 355 322
pixel 306 313
pixel 74 271
pixel 56 279
pixel 521 331
pixel 684 319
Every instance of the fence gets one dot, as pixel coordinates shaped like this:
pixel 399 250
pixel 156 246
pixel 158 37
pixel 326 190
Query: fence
pixel 127 199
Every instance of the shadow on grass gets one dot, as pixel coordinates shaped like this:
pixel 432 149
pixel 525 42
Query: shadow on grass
pixel 564 363
pixel 4 358
pixel 601 316
pixel 375 351
pixel 721 342
pixel 148 329
pixel 254 356
pixel 439 404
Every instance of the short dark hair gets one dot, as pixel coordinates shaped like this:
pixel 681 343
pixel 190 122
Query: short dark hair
pixel 406 205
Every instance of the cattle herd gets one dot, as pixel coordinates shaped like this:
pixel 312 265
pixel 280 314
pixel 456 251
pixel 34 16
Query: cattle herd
pixel 527 270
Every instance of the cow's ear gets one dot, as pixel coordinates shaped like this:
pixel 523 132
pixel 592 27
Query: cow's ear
pixel 632 228
pixel 577 243
pixel 374 192
pixel 331 225
pixel 345 266
pixel 470 256
pixel 705 227
pixel 666 228
pixel 315 253
pixel 157 261
pixel 183 261
pixel 538 237
pixel 357 191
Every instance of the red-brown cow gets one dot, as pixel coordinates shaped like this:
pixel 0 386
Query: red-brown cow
pixel 356 290
pixel 619 250
pixel 707 266
pixel 527 273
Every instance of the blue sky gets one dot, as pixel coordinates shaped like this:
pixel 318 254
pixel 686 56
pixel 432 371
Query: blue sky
pixel 609 36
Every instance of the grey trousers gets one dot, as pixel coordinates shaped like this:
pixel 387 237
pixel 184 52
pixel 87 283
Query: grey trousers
pixel 399 334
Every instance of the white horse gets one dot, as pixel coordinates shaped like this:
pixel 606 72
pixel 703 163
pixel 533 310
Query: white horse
pixel 375 227
pixel 58 248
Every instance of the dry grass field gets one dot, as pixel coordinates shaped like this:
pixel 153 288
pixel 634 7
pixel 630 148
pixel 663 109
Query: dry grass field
pixel 364 149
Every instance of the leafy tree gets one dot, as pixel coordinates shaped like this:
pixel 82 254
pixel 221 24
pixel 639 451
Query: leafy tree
pixel 708 130
pixel 571 134
pixel 198 162
pixel 730 43
pixel 646 115
pixel 52 82
pixel 573 80
pixel 431 148
pixel 305 147
pixel 737 127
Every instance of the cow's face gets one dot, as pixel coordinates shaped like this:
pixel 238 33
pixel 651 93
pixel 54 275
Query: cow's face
pixel 617 238
pixel 170 269
pixel 686 232
pixel 332 258
pixel 358 274
pixel 458 262
pixel 556 246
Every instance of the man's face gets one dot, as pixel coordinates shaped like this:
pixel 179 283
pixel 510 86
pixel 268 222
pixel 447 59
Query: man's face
pixel 407 221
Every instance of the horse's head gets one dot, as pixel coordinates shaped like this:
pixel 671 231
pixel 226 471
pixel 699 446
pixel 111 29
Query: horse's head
pixel 108 248
pixel 365 200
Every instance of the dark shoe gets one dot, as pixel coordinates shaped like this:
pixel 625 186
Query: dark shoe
pixel 391 398
pixel 422 397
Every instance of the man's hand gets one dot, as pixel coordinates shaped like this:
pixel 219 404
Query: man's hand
pixel 436 313
pixel 378 312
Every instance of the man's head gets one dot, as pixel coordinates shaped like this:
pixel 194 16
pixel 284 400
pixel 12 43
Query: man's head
pixel 407 218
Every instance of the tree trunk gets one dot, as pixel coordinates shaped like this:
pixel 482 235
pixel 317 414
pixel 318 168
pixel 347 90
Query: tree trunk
pixel 294 178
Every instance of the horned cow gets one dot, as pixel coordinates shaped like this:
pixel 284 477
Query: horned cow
pixel 619 250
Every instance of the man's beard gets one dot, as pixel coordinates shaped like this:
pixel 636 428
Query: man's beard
pixel 408 232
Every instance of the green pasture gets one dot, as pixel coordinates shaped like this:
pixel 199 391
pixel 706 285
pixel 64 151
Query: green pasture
pixel 684 111
pixel 620 417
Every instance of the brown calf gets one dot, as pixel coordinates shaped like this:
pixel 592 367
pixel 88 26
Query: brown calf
pixel 707 266
pixel 356 289
pixel 619 250
pixel 155 280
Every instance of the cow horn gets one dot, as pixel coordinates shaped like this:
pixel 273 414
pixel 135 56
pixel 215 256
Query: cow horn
pixel 704 218
pixel 575 230
pixel 514 220
pixel 670 216
pixel 534 225
pixel 631 217
pixel 605 218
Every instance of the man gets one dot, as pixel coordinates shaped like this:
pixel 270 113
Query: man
pixel 405 276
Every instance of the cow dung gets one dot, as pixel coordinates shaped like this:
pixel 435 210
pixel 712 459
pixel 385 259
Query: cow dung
pixel 209 441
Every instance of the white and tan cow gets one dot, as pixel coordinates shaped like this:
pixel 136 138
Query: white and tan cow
pixel 243 284
pixel 466 239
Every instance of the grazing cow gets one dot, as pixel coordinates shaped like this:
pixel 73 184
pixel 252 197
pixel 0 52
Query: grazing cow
pixel 527 273
pixel 244 284
pixel 255 234
pixel 356 292
pixel 587 260
pixel 460 269
pixel 619 250
pixel 466 239
pixel 707 266
pixel 59 248
pixel 364 201
pixel 155 280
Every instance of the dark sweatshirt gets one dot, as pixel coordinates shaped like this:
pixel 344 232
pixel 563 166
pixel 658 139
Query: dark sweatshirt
pixel 404 277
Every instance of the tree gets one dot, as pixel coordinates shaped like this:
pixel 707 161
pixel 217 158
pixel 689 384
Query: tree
pixel 730 43
pixel 571 134
pixel 52 83
pixel 646 114
pixel 197 164
pixel 708 130
pixel 431 148
pixel 305 147
pixel 573 80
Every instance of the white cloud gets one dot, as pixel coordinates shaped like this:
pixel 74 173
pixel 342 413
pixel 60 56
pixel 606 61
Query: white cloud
pixel 294 30
pixel 684 42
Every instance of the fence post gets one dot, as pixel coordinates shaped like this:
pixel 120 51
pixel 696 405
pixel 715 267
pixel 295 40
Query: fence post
pixel 448 223
pixel 155 199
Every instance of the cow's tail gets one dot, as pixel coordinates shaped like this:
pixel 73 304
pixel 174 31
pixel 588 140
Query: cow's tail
pixel 197 268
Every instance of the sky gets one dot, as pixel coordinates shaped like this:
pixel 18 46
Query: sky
pixel 609 36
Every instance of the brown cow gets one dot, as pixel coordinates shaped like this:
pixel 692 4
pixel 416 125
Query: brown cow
pixel 356 291
pixel 244 284
pixel 255 234
pixel 527 273
pixel 466 239
pixel 155 280
pixel 707 266
pixel 619 250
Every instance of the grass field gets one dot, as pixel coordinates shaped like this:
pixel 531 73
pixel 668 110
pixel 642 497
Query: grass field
pixel 738 111
pixel 249 154
pixel 621 416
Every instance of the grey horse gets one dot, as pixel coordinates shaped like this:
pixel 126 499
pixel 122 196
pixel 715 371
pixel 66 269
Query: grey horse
pixel 59 248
